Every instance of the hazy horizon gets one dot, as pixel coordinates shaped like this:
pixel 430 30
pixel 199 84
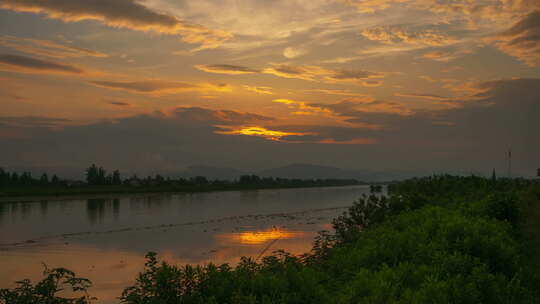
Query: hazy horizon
pixel 294 170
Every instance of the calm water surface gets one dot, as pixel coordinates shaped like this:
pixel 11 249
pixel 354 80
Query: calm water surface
pixel 105 239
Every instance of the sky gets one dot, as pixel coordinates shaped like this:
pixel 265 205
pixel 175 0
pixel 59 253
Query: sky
pixel 150 85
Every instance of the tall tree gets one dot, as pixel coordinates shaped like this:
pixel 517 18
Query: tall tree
pixel 116 179
pixel 4 177
pixel 92 174
pixel 44 179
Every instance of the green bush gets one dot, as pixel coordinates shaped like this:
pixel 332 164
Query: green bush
pixel 47 290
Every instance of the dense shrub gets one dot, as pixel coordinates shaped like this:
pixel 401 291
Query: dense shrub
pixel 433 249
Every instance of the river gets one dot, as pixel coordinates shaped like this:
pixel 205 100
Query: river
pixel 105 238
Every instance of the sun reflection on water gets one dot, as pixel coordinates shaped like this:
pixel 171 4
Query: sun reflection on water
pixel 261 236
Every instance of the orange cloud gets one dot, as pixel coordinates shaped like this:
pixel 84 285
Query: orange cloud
pixel 522 40
pixel 394 34
pixel 225 69
pixel 352 106
pixel 310 73
pixel 316 73
pixel 355 76
pixel 123 14
pixel 160 87
pixel 450 102
pixel 437 55
pixel 425 96
pixel 469 89
pixel 493 10
pixel 304 72
pixel 23 64
pixel 336 92
pixel 259 90
pixel 47 48
pixel 198 115
pixel 119 103
pixel 259 132
pixel 370 6
pixel 372 83
pixel 446 56
pixel 305 109
pixel 293 52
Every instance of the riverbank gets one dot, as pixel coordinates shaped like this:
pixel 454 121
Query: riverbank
pixel 36 192
pixel 108 236
pixel 442 239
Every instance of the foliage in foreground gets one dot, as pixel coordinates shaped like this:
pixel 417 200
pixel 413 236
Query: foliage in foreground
pixel 441 239
pixel 48 290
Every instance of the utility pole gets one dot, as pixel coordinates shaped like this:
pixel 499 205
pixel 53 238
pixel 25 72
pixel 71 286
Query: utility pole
pixel 509 163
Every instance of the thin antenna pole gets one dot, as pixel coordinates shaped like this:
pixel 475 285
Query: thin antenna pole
pixel 510 163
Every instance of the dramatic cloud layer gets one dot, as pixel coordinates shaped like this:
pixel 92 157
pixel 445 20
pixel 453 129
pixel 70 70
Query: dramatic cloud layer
pixel 523 39
pixel 190 135
pixel 433 84
pixel 452 9
pixel 119 13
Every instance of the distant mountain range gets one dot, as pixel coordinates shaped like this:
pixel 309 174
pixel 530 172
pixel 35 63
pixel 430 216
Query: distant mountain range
pixel 212 172
pixel 304 171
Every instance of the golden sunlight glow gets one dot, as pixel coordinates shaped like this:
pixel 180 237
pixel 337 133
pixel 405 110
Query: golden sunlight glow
pixel 305 108
pixel 261 132
pixel 260 237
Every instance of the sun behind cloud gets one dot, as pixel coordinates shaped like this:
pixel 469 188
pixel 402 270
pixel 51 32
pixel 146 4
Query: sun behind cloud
pixel 257 131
